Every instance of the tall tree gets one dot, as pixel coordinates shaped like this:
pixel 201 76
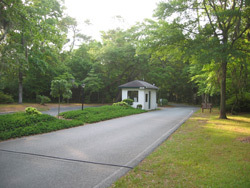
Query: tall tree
pixel 36 29
pixel 9 16
pixel 217 27
pixel 120 61
pixel 168 68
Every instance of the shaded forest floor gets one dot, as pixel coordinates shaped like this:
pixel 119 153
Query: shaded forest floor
pixel 204 152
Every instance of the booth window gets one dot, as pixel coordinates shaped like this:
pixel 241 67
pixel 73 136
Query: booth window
pixel 133 95
pixel 146 98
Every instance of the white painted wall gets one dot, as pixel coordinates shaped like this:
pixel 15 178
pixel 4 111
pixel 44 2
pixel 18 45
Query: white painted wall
pixel 153 99
pixel 124 94
pixel 141 97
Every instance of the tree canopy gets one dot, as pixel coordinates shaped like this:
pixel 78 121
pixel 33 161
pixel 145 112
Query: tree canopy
pixel 190 50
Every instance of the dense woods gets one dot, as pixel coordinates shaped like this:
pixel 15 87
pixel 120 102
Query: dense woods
pixel 193 51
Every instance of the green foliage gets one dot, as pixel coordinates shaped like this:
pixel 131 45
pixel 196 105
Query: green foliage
pixel 30 33
pixel 93 82
pixel 210 47
pixel 23 124
pixel 60 88
pixel 168 67
pixel 183 57
pixel 67 94
pixel 163 102
pixel 95 114
pixel 119 61
pixel 68 77
pixel 32 111
pixel 237 104
pixel 5 99
pixel 43 99
pixel 128 101
pixel 122 103
pixel 205 77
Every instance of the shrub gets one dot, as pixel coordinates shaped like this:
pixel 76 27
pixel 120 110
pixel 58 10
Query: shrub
pixel 163 102
pixel 5 98
pixel 22 124
pixel 32 111
pixel 90 115
pixel 139 106
pixel 241 105
pixel 124 104
pixel 128 101
pixel 43 99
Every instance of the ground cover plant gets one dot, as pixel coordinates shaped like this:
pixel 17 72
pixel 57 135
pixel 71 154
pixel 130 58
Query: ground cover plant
pixel 204 152
pixel 29 123
pixel 91 115
pixel 24 124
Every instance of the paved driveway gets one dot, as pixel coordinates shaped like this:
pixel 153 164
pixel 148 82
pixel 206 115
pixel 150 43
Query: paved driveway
pixel 54 111
pixel 94 155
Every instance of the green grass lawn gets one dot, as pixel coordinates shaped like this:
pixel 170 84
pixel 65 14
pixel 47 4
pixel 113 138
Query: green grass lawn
pixel 22 124
pixel 204 152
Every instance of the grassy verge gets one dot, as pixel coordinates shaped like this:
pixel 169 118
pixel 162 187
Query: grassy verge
pixel 96 114
pixel 22 124
pixel 204 152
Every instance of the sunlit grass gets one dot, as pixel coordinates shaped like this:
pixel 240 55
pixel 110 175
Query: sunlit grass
pixel 204 152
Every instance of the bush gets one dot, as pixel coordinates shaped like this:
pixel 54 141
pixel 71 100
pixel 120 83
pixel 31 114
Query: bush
pixel 124 104
pixel 5 98
pixel 128 101
pixel 91 115
pixel 43 99
pixel 139 106
pixel 32 111
pixel 241 105
pixel 163 102
pixel 22 124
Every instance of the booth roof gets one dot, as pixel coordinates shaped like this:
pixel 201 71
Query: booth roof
pixel 138 84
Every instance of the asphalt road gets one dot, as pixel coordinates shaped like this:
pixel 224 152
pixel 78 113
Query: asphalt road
pixel 94 155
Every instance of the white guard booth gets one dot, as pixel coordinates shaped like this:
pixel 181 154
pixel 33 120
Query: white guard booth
pixel 141 92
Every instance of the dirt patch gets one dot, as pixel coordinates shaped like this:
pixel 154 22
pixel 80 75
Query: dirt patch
pixel 244 140
pixel 21 107
pixel 202 121
pixel 61 117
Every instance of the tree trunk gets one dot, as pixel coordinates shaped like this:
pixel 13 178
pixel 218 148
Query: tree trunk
pixel 20 71
pixel 223 91
pixel 59 102
pixel 20 84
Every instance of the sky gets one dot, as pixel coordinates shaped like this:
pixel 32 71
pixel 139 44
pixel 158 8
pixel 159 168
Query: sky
pixel 102 13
